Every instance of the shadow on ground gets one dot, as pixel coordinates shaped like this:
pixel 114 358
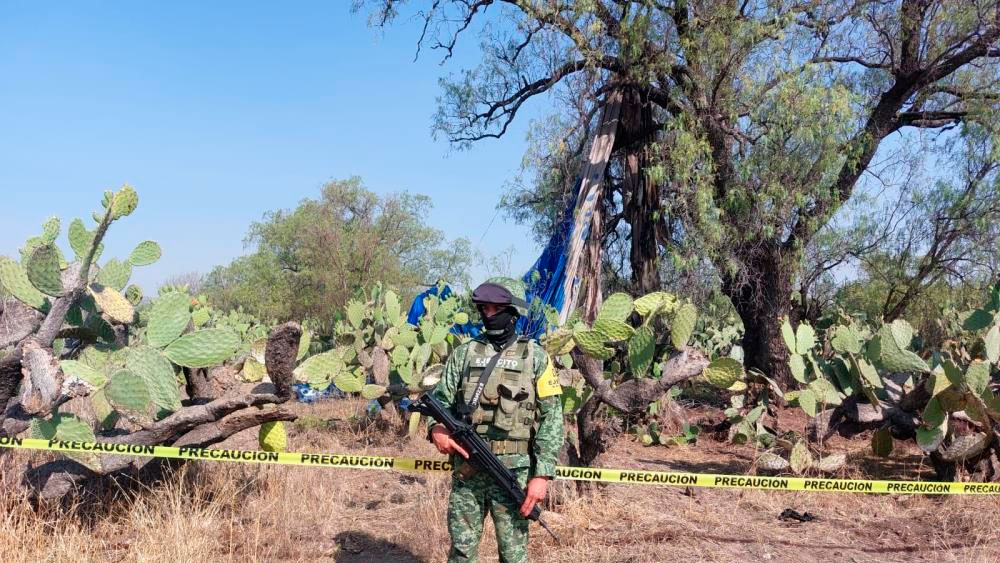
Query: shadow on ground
pixel 359 547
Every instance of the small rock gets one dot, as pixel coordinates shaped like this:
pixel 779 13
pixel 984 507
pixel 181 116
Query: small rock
pixel 397 498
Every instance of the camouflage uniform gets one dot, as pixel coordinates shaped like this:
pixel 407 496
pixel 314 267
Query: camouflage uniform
pixel 535 444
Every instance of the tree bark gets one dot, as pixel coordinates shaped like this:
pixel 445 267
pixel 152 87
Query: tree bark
pixel 642 201
pixel 761 295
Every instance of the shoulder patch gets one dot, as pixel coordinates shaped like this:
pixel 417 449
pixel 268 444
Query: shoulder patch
pixel 548 383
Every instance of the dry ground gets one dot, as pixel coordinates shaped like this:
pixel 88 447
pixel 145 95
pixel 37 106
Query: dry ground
pixel 221 512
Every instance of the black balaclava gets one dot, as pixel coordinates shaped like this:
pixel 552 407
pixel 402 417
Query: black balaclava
pixel 500 327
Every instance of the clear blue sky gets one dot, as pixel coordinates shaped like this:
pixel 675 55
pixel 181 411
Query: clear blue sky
pixel 219 111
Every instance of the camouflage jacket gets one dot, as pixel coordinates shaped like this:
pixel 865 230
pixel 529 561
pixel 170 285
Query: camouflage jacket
pixel 548 439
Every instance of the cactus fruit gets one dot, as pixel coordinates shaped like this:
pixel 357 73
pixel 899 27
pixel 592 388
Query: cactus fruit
pixel 15 280
pixel 272 437
pixel 127 391
pixel 168 317
pixel 723 372
pixel 145 253
pixel 112 303
pixel 42 268
pixel 203 348
pixel 682 326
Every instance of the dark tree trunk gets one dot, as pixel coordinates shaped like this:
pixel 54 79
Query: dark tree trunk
pixel 762 295
pixel 641 196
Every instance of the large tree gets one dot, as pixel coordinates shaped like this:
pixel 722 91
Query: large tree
pixel 768 113
pixel 307 262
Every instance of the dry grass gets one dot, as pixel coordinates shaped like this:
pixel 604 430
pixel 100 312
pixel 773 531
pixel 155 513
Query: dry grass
pixel 220 512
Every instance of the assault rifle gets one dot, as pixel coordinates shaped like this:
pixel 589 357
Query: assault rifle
pixel 480 454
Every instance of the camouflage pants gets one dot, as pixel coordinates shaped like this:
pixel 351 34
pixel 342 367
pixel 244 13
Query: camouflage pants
pixel 467 507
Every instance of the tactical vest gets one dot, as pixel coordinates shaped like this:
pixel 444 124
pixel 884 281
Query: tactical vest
pixel 507 410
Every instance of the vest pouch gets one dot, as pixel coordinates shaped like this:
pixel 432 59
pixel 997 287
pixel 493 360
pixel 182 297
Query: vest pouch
pixel 511 395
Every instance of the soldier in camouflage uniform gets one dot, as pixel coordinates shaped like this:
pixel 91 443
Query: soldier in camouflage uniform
pixel 519 413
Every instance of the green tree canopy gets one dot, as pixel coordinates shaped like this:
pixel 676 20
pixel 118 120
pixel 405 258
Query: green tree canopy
pixel 307 262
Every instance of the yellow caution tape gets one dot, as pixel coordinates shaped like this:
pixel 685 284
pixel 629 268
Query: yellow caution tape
pixel 602 475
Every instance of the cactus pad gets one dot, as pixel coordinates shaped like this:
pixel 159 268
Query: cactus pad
pixel 592 344
pixel 902 333
pixel 805 338
pixel 155 369
pixel 882 443
pixel 112 303
pixel 929 439
pixel 966 447
pixel 977 376
pixel 128 391
pixel 807 401
pixel 392 311
pixel 831 463
pixel 788 335
pixel 50 230
pixel 114 273
pixel 15 280
pixel 800 459
pixel 372 391
pixel 460 318
pixel 895 358
pixel 682 326
pixel 87 374
pixel 356 313
pixel 320 367
pixel 253 371
pixel 653 303
pixel 617 307
pixel 69 428
pixel 640 350
pixel 43 269
pixel 134 294
pixel 554 342
pixel 614 330
pixel 124 202
pixel 304 341
pixel 349 383
pixel 145 253
pixel 723 372
pixel 272 437
pixel 846 340
pixel 168 317
pixel 203 348
pixel 772 462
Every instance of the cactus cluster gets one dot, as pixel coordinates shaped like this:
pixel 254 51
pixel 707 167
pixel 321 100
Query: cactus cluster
pixel 847 358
